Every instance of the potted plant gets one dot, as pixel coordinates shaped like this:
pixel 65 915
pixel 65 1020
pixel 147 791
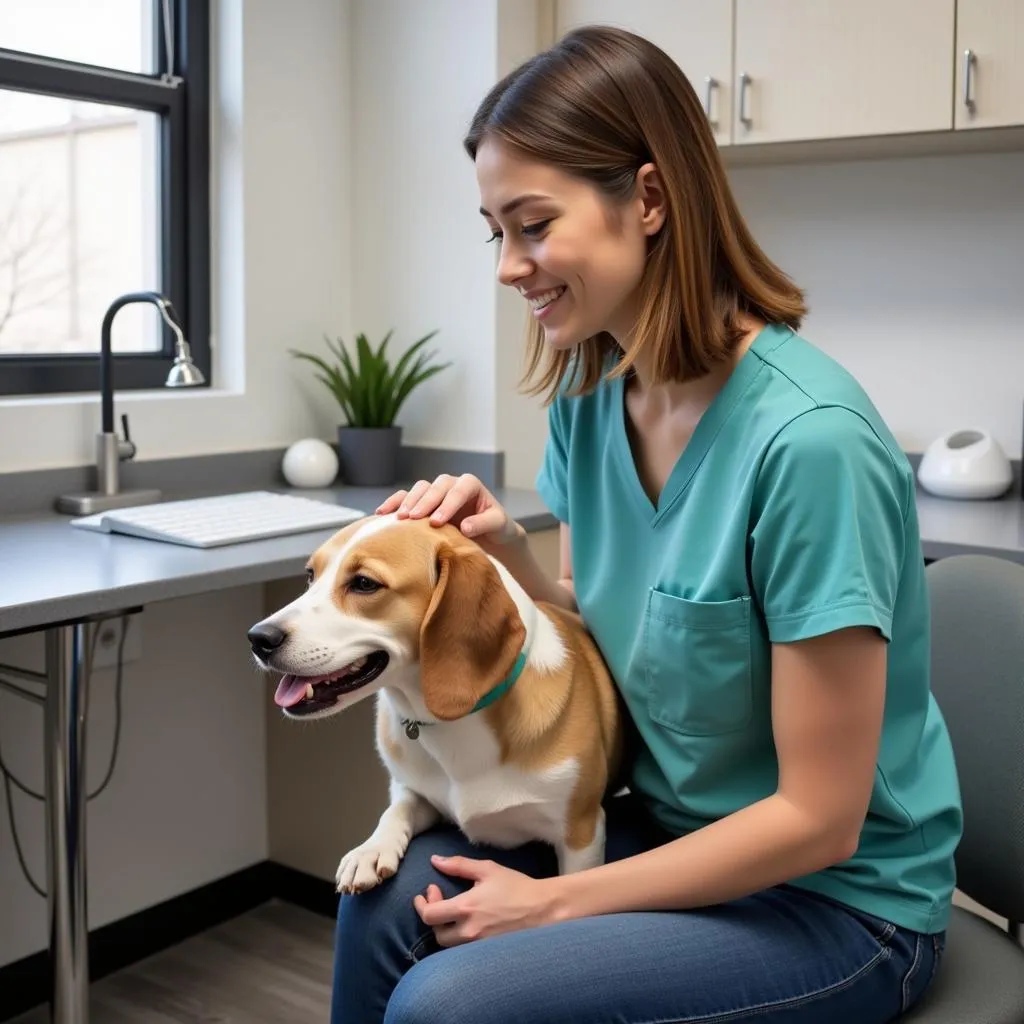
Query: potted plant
pixel 370 392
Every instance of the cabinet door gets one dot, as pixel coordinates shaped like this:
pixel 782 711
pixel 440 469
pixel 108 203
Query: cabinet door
pixel 696 34
pixel 821 69
pixel 990 63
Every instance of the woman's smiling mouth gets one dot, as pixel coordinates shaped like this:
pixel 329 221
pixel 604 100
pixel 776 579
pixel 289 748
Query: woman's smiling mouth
pixel 541 303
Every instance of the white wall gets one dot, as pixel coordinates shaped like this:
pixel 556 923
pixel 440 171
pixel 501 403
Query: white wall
pixel 521 422
pixel 187 804
pixel 187 801
pixel 915 276
pixel 419 258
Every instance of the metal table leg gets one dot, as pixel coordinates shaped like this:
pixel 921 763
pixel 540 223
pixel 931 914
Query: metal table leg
pixel 66 699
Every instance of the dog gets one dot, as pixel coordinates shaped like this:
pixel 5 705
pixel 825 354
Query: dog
pixel 494 712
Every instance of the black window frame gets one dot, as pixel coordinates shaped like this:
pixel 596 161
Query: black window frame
pixel 180 95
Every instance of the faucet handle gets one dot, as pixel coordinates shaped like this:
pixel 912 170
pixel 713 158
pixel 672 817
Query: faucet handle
pixel 125 449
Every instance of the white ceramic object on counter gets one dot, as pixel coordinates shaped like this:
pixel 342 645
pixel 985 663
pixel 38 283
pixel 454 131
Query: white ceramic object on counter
pixel 310 463
pixel 965 464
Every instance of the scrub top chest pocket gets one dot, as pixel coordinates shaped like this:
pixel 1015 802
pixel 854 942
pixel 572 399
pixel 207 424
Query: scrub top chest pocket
pixel 697 664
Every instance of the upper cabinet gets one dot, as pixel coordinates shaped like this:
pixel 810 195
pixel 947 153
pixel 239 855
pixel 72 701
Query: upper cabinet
pixel 808 69
pixel 696 34
pixel 990 63
pixel 776 71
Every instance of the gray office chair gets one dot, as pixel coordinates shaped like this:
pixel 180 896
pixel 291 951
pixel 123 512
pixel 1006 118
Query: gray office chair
pixel 978 681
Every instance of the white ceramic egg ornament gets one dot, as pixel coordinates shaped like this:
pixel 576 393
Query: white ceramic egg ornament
pixel 965 464
pixel 310 463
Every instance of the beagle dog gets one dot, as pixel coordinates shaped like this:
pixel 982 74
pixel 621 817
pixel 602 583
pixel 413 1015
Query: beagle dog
pixel 494 711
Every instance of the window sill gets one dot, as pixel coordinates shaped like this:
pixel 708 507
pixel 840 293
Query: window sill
pixel 204 394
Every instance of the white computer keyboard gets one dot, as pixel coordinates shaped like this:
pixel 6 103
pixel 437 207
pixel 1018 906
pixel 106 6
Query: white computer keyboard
pixel 223 519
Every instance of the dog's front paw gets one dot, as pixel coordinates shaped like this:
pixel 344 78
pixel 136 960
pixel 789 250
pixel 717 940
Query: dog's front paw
pixel 367 865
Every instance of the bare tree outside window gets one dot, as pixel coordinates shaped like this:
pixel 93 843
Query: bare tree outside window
pixel 29 251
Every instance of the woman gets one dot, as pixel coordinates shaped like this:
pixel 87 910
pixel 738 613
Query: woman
pixel 739 532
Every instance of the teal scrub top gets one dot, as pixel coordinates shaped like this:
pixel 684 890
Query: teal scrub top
pixel 790 513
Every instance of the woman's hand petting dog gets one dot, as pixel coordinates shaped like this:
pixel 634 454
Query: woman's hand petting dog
pixel 462 501
pixel 501 900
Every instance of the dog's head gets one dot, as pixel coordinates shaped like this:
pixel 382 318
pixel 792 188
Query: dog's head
pixel 386 597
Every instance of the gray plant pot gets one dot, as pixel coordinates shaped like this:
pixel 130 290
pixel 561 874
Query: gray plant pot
pixel 369 455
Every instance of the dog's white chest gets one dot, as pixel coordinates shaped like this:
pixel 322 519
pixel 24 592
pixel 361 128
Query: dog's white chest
pixel 457 767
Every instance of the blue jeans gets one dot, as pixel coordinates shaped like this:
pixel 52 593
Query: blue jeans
pixel 782 956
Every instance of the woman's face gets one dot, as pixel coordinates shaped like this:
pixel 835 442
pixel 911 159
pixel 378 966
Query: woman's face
pixel 576 257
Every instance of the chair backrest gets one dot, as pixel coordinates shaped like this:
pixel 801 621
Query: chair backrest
pixel 977 627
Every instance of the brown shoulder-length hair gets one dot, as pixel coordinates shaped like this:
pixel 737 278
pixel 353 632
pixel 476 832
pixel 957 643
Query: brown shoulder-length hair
pixel 600 104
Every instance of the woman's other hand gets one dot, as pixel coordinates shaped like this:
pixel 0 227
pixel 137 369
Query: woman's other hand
pixel 462 501
pixel 500 900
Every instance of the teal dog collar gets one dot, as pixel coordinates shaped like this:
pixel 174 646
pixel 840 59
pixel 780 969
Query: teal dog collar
pixel 412 727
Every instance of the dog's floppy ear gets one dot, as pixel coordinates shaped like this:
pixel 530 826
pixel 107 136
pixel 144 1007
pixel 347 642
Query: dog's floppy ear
pixel 471 635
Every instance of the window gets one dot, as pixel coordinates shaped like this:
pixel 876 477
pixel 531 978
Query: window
pixel 104 188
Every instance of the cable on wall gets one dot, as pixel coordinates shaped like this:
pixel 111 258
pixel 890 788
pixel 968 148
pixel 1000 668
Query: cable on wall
pixel 11 781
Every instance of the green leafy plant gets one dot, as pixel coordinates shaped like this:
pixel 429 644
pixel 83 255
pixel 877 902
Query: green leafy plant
pixel 369 390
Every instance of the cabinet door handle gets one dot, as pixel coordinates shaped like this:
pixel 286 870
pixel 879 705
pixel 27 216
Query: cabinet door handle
pixel 745 118
pixel 710 84
pixel 969 62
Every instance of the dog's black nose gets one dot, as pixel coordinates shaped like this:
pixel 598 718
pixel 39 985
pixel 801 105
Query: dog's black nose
pixel 265 638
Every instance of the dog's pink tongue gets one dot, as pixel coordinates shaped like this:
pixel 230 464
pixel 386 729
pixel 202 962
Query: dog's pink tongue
pixel 290 690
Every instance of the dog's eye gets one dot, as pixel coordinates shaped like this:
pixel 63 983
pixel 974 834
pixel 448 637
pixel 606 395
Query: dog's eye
pixel 309 576
pixel 363 585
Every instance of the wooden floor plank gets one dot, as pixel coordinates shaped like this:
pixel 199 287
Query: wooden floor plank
pixel 271 965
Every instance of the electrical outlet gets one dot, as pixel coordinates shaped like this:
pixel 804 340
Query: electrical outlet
pixel 109 639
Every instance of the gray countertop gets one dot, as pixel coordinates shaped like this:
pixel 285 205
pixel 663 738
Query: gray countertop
pixel 954 527
pixel 52 572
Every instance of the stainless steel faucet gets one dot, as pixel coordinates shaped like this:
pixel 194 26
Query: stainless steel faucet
pixel 111 449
